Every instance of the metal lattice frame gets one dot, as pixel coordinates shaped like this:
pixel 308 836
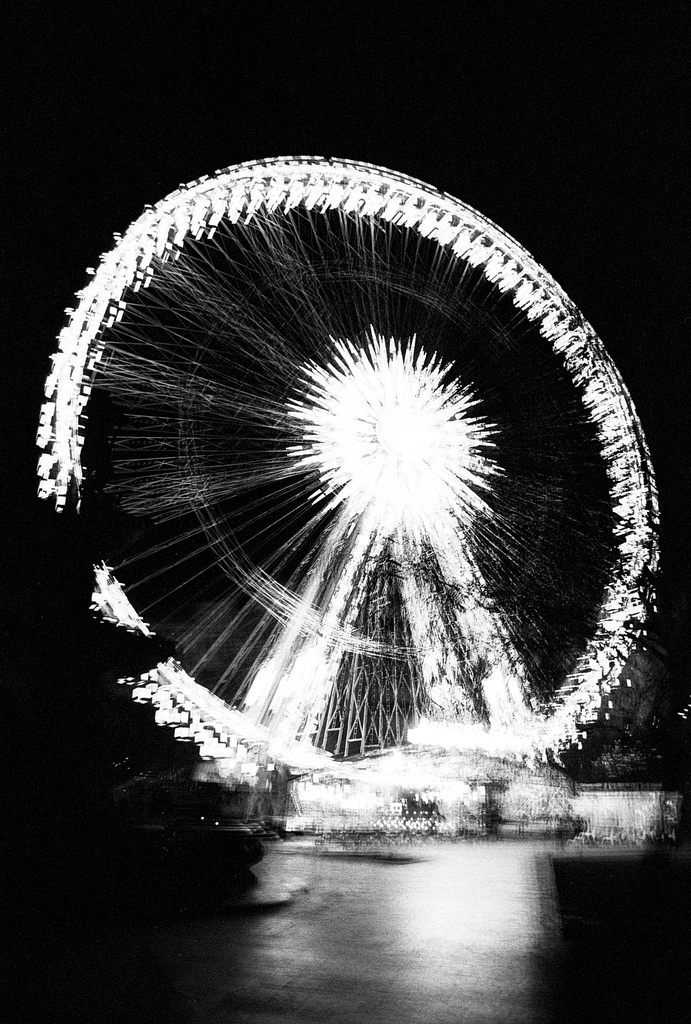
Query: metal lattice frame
pixel 358 720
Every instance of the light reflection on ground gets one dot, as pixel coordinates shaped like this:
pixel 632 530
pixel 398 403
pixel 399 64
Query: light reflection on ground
pixel 469 933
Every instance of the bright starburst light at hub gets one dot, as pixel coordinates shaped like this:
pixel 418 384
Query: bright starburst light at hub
pixel 387 436
pixel 390 487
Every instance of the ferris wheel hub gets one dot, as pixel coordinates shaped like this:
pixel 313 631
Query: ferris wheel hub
pixel 403 433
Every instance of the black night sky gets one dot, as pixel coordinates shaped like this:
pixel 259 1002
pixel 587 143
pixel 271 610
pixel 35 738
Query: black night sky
pixel 563 123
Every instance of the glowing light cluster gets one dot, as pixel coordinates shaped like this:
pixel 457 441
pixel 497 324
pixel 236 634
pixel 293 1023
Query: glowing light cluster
pixel 386 435
pixel 355 446
pixel 501 741
pixel 222 733
pixel 110 602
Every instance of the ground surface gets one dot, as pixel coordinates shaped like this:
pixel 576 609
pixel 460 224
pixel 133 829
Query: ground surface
pixel 464 932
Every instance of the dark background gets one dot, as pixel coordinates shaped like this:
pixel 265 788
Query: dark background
pixel 564 123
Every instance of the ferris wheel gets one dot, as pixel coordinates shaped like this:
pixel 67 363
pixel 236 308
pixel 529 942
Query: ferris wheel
pixel 393 481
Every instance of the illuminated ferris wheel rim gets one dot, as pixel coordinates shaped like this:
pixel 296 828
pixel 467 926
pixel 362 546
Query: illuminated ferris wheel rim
pixel 236 194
